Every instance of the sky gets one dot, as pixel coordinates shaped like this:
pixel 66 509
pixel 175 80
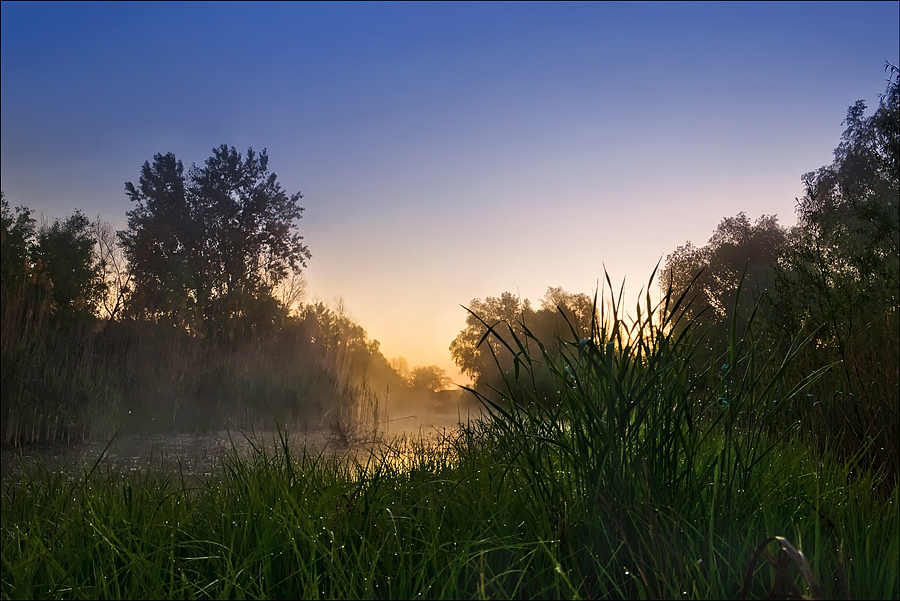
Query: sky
pixel 447 151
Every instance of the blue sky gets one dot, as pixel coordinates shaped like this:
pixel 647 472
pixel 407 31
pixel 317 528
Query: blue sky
pixel 447 151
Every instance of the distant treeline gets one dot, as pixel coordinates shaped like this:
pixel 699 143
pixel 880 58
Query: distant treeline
pixel 192 317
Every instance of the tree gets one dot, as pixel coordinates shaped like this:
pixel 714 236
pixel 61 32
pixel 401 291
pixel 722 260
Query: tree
pixel 210 248
pixel 16 238
pixel 849 215
pixel 739 253
pixel 429 378
pixel 563 317
pixel 50 274
pixel 401 367
pixel 25 294
pixel 472 350
pixel 572 313
pixel 65 251
pixel 114 268
pixel 160 243
pixel 841 279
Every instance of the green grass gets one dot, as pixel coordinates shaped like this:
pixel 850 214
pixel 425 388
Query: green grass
pixel 458 519
pixel 648 474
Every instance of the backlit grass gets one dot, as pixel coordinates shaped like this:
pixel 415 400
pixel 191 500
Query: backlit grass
pixel 461 519
pixel 647 475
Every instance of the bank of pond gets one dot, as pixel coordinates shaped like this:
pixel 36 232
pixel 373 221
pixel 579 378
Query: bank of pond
pixel 482 511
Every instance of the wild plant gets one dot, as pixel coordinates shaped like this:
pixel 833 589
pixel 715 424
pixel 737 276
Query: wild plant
pixel 639 432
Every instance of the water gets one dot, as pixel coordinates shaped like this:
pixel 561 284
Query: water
pixel 197 454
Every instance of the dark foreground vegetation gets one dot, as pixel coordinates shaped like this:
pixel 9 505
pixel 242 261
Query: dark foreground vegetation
pixel 648 478
pixel 738 438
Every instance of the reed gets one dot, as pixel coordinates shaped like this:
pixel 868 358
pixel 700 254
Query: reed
pixel 87 382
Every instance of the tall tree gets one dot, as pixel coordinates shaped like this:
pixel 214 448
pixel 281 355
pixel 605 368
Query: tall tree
pixel 160 243
pixel 25 295
pixel 841 277
pixel 850 218
pixel 16 238
pixel 211 247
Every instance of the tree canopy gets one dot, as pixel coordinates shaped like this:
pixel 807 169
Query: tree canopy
pixel 841 274
pixel 50 273
pixel 834 277
pixel 65 250
pixel 738 251
pixel 209 247
pixel 562 315
pixel 850 217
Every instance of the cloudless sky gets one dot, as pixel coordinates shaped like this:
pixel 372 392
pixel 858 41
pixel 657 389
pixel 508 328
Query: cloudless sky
pixel 447 151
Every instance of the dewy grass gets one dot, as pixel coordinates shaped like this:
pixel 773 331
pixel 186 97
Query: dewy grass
pixel 458 521
pixel 644 435
pixel 645 475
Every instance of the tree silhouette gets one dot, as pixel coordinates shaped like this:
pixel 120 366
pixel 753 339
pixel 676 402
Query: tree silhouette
pixel 430 378
pixel 65 251
pixel 840 280
pixel 208 249
pixel 850 216
pixel 738 254
pixel 564 317
pixel 473 350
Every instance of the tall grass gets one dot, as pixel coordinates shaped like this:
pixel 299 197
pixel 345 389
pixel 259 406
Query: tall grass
pixel 642 474
pixel 414 519
pixel 660 445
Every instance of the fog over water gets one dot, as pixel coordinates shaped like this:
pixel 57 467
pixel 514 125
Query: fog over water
pixel 202 453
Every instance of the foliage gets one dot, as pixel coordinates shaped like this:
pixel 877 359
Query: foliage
pixel 645 444
pixel 467 351
pixel 835 275
pixel 740 254
pixel 841 275
pixel 65 251
pixel 843 268
pixel 25 293
pixel 18 230
pixel 850 210
pixel 315 371
pixel 50 275
pixel 429 378
pixel 208 249
pixel 476 353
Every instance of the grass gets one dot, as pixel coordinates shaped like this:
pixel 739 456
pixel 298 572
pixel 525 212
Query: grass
pixel 649 474
pixel 461 518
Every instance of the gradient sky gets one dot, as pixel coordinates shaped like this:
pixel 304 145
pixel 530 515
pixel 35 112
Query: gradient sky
pixel 447 151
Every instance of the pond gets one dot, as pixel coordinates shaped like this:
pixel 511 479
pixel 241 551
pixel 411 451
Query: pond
pixel 193 454
pixel 199 453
